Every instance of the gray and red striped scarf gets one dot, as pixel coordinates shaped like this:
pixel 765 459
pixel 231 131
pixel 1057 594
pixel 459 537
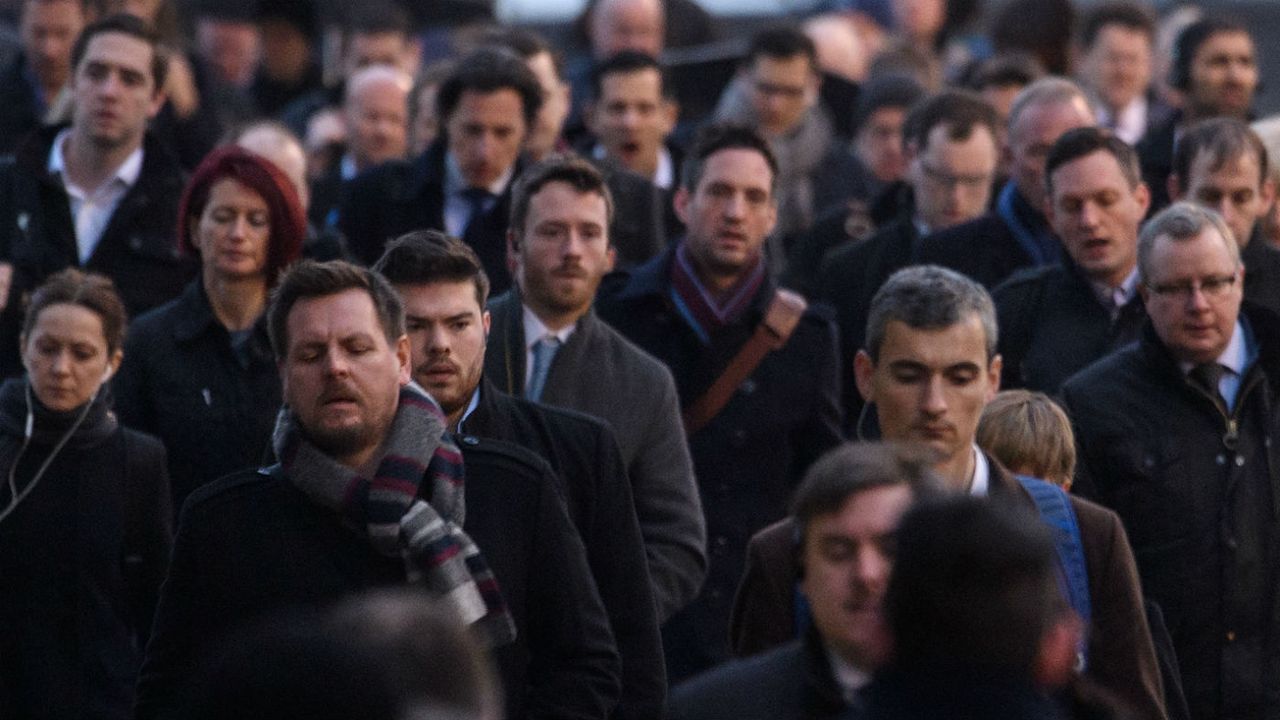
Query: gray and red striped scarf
pixel 387 509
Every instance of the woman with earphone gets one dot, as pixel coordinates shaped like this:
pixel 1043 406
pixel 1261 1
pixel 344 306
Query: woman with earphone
pixel 85 517
pixel 199 372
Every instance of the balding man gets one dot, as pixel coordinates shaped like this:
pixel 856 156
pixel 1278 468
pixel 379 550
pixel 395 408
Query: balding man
pixel 617 25
pixel 1016 234
pixel 375 112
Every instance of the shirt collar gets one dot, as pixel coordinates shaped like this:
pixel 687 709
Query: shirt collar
pixel 850 678
pixel 664 175
pixel 535 330
pixel 1117 297
pixel 471 407
pixel 980 483
pixel 347 168
pixel 1236 355
pixel 454 183
pixel 127 173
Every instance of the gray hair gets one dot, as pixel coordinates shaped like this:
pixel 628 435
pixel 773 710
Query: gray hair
pixel 1050 90
pixel 1178 222
pixel 928 297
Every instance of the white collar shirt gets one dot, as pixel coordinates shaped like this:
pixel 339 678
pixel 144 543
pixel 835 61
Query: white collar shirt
pixel 457 209
pixel 535 330
pixel 92 208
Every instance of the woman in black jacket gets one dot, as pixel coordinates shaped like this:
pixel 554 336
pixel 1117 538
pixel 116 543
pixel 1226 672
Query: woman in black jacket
pixel 85 520
pixel 200 374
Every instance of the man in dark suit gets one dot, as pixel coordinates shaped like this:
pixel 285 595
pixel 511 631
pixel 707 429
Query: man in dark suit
pixel 1223 165
pixel 1016 233
pixel 696 307
pixel 928 368
pixel 462 183
pixel 1216 69
pixel 1056 320
pixel 1175 434
pixel 101 193
pixel 951 159
pixel 546 344
pixel 843 530
pixel 443 288
pixel 372 491
pixel 1116 46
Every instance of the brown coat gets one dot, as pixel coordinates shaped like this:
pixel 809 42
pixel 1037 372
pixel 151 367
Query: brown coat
pixel 1122 658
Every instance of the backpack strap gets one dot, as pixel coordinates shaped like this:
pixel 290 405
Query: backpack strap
pixel 1054 506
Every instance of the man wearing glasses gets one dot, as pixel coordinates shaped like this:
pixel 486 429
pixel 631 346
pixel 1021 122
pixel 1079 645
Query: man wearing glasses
pixel 951 156
pixel 1056 320
pixel 1174 434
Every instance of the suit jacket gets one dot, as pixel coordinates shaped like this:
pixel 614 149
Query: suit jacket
pixel 588 465
pixel 791 682
pixel 394 198
pixel 600 373
pixel 1052 325
pixel 252 543
pixel 138 248
pixel 1121 655
pixel 752 455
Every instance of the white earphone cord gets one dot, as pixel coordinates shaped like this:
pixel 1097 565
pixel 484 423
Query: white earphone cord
pixel 16 498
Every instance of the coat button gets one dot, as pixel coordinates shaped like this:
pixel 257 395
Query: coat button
pixel 470 440
pixel 1239 461
pixel 1221 459
pixel 739 438
pixel 1231 636
pixel 748 386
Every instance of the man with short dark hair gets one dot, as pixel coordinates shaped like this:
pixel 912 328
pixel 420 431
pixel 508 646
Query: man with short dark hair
pixel 444 290
pixel 927 370
pixel 631 114
pixel 462 183
pixel 1175 435
pixel 1055 320
pixel 757 371
pixel 951 150
pixel 1116 43
pixel 1017 232
pixel 547 344
pixel 101 193
pixel 842 528
pixel 977 616
pixel 1215 68
pixel 1222 164
pixel 372 491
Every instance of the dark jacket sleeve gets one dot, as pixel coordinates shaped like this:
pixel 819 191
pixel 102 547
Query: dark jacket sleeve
pixel 822 431
pixel 763 614
pixel 149 534
pixel 668 505
pixel 1122 657
pixel 574 666
pixel 1017 300
pixel 615 553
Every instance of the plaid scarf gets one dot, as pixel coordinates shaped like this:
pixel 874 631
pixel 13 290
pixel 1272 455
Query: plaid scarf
pixel 388 510
pixel 700 308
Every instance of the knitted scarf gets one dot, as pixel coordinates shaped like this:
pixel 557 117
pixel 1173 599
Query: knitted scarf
pixel 706 313
pixel 387 508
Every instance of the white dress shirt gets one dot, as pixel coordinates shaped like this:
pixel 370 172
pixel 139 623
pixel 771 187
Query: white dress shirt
pixel 1130 124
pixel 1235 358
pixel 457 209
pixel 91 208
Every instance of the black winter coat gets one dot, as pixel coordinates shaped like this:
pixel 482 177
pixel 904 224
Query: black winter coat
pixel 1052 325
pixel 1198 493
pixel 81 562
pixel 584 454
pixel 751 456
pixel 252 543
pixel 181 381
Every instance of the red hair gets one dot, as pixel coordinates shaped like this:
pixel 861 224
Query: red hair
pixel 288 222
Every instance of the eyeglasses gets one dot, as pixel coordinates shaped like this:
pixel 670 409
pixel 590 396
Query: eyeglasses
pixel 950 182
pixel 1214 286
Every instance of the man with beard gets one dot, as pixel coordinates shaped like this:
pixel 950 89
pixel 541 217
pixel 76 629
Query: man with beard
pixel 548 345
pixel 443 288
pixel 372 491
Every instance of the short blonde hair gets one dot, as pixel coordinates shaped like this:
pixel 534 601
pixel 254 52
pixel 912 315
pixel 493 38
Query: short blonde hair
pixel 1027 431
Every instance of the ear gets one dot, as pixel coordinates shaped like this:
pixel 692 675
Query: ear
pixel 1173 185
pixel 864 369
pixel 1142 194
pixel 1268 193
pixel 486 319
pixel 403 359
pixel 681 204
pixel 192 225
pixel 993 376
pixel 670 113
pixel 113 365
pixel 610 259
pixel 513 252
pixel 1055 661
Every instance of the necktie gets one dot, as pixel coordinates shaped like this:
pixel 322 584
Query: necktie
pixel 543 352
pixel 1208 377
pixel 478 201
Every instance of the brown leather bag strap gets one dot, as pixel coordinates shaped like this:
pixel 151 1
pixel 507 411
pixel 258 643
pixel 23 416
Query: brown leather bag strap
pixel 773 332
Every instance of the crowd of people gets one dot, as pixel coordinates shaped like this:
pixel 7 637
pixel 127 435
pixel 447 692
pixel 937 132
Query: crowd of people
pixel 909 359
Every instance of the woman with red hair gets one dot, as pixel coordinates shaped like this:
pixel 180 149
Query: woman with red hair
pixel 200 374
